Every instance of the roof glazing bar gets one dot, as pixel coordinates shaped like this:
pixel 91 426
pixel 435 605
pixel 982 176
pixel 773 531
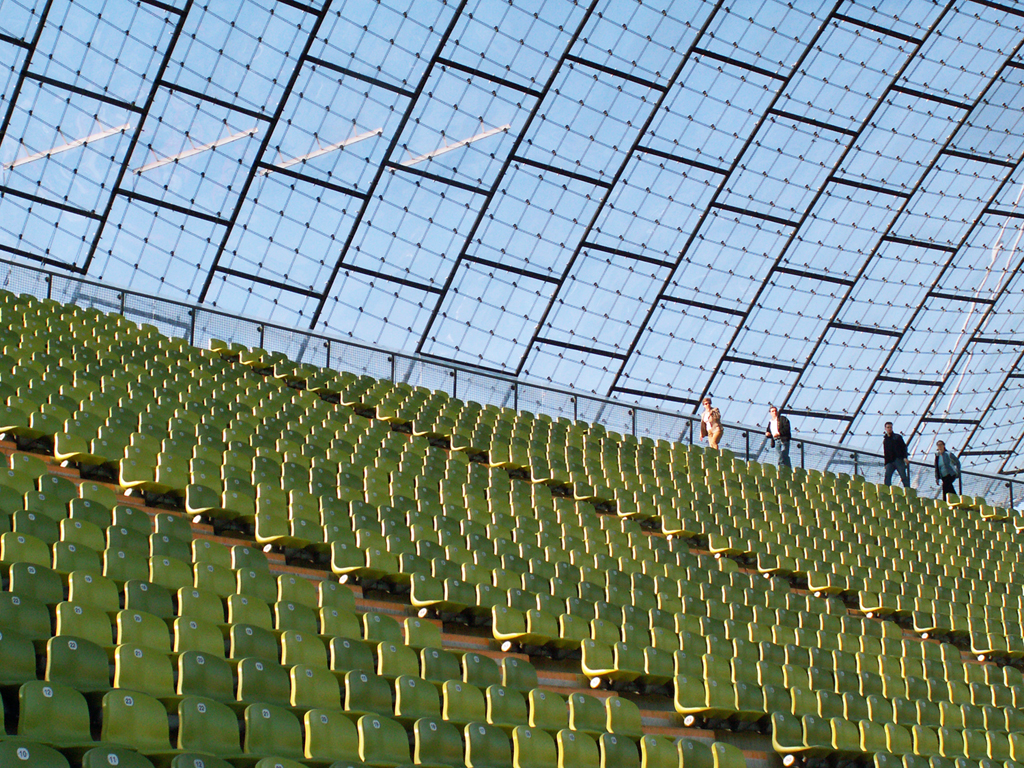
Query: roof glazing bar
pixel 99 136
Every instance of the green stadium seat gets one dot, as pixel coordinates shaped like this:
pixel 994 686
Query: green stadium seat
pixel 437 744
pixel 136 721
pixel 207 727
pixel 486 746
pixel 205 675
pixel 26 753
pixel 272 731
pixel 382 742
pixel 54 714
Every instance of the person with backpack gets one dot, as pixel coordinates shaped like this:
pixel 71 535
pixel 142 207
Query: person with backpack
pixel 711 424
pixel 947 468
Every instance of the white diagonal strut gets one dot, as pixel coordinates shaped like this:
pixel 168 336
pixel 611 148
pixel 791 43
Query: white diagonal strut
pixel 323 151
pixel 456 145
pixel 70 145
pixel 197 150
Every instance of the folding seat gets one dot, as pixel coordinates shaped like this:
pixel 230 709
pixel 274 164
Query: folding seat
pixel 54 714
pixel 36 582
pixel 695 753
pixel 200 604
pixel 382 742
pixel 134 720
pixel 587 714
pixel 17 658
pixel 532 748
pixel 463 703
pixel 272 731
pixel 143 669
pixel 25 616
pixel 83 621
pixel 262 681
pixel 518 674
pixel 623 717
pixel 394 659
pixel 202 674
pixel 367 693
pixel 414 699
pixel 25 753
pixel 506 708
pixel 208 727
pixel 329 736
pixel 438 665
pixel 142 629
pixel 347 654
pixel 658 752
pixel 437 744
pixel 487 746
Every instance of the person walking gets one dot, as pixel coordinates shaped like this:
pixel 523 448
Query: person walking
pixel 894 453
pixel 711 424
pixel 947 469
pixel 778 431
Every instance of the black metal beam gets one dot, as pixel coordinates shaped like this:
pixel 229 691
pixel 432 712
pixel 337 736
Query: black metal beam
pixel 587 246
pixel 955 297
pixel 511 269
pixel 500 176
pixel 761 364
pixel 497 80
pixel 208 99
pixel 448 182
pixel 137 134
pixel 657 396
pixel 616 73
pixel 243 193
pixel 877 28
pixel 702 305
pixel 26 67
pixel 337 68
pixel 910 382
pixel 683 160
pixel 599 209
pixel 174 207
pixel 548 168
pixel 785 270
pixel 414 96
pixel 723 59
pixel 589 350
pixel 59 205
pixel 270 168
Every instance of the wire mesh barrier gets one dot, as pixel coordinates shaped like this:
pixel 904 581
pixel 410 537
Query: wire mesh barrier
pixel 201 324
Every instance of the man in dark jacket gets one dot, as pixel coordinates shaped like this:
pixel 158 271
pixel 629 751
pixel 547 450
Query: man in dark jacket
pixel 894 451
pixel 778 431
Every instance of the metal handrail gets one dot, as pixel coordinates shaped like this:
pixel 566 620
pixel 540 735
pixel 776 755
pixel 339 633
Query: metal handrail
pixel 199 324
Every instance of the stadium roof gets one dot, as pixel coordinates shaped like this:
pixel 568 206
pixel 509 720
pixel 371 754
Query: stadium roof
pixel 816 205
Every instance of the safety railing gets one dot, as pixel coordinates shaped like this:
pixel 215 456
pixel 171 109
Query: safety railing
pixel 200 324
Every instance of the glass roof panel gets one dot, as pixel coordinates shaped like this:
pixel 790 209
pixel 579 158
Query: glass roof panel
pixel 61 146
pixel 413 229
pixel 654 208
pixel 20 18
pixel 240 52
pixel 840 81
pixel 389 41
pixel 904 135
pixel 908 18
pixel 726 263
pixel 113 47
pixel 711 111
pixel 167 252
pixel 488 316
pixel 290 231
pixel 640 38
pixel 969 45
pixel 772 40
pixel 518 41
pixel 845 226
pixel 603 301
pixel 535 221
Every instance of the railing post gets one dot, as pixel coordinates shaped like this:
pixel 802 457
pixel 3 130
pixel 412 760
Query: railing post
pixel 575 409
pixel 515 397
pixel 49 288
pixel 802 465
pixel 192 327
pixel 262 335
pixel 394 363
pixel 632 412
pixel 856 462
pixel 689 437
pixel 746 437
pixel 455 382
pixel 1010 482
pixel 122 302
pixel 327 346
